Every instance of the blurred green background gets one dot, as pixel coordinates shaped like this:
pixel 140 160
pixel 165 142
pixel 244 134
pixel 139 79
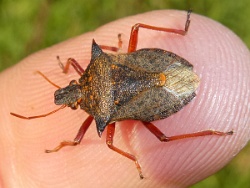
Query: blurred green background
pixel 27 26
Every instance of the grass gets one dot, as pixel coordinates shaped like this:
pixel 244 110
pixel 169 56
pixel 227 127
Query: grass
pixel 28 26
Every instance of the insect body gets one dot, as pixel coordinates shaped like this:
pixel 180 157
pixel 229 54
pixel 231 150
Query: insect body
pixel 146 85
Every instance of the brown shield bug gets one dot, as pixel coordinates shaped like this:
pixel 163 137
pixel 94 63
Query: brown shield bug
pixel 146 85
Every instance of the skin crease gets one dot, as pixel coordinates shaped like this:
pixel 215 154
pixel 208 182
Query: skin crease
pixel 220 59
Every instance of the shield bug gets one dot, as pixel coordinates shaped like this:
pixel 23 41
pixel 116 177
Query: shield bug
pixel 146 85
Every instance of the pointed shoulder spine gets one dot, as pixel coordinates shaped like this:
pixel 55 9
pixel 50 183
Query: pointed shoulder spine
pixel 96 50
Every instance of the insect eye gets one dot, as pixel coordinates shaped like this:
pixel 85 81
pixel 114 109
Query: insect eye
pixel 74 106
pixel 73 82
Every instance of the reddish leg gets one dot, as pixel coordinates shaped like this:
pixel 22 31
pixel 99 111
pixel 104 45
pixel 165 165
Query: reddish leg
pixel 74 64
pixel 109 142
pixel 78 137
pixel 135 29
pixel 154 130
pixel 112 48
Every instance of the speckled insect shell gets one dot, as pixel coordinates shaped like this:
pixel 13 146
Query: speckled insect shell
pixel 146 85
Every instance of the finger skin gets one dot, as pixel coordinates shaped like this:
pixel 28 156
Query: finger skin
pixel 220 59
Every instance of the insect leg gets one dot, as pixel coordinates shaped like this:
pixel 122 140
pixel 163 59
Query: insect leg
pixel 78 137
pixel 135 29
pixel 112 48
pixel 154 130
pixel 109 142
pixel 73 63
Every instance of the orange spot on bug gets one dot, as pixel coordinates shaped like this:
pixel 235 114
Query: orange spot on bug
pixel 162 79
